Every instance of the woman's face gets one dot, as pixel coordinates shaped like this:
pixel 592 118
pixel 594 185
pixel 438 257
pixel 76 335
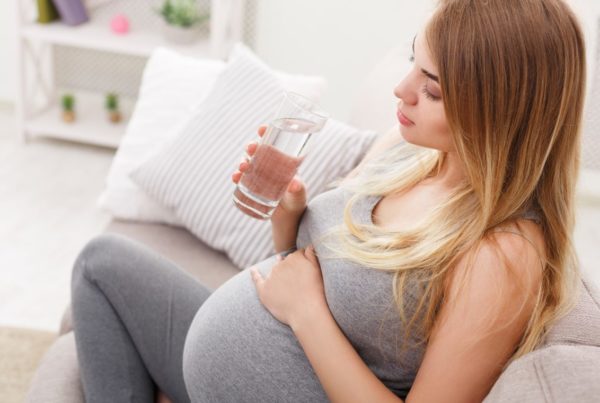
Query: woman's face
pixel 421 108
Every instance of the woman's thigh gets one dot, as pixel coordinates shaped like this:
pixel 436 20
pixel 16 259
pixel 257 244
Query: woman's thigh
pixel 154 300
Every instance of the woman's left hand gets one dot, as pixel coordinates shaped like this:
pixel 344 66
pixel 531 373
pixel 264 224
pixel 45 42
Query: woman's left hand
pixel 293 290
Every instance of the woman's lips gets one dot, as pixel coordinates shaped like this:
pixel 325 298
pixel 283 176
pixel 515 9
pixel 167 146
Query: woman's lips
pixel 404 120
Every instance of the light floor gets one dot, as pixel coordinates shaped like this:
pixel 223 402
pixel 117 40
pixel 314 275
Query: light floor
pixel 48 193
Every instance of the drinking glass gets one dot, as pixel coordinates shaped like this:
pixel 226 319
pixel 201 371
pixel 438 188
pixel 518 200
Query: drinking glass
pixel 278 156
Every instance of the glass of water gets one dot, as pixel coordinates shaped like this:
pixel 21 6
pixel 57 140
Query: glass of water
pixel 278 156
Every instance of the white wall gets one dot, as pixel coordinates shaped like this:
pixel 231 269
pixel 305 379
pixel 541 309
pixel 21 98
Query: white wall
pixel 8 50
pixel 339 39
pixel 343 39
pixel 588 12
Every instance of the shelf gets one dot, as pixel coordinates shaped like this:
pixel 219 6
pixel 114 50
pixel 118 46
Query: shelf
pixel 96 36
pixel 90 126
pixel 91 56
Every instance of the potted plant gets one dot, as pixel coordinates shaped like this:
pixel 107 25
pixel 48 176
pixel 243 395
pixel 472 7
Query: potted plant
pixel 183 20
pixel 68 107
pixel 112 106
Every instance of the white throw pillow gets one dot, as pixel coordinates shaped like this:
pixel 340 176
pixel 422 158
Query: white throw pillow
pixel 172 87
pixel 192 174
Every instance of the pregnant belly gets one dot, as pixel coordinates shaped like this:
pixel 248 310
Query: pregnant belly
pixel 235 350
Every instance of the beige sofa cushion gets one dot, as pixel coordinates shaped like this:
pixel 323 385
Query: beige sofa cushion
pixel 582 324
pixel 210 267
pixel 566 367
pixel 558 373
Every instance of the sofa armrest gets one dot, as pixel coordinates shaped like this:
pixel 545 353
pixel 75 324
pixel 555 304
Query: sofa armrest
pixel 66 322
pixel 556 373
pixel 57 378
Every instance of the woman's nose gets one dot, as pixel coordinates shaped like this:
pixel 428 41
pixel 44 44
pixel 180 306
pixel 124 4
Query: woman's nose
pixel 405 92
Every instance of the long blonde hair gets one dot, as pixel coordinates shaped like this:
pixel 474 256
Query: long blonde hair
pixel 512 76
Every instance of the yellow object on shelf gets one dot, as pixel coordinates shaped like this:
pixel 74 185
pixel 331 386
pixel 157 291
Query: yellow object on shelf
pixel 46 11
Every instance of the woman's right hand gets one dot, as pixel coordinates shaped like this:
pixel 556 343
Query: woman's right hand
pixel 293 202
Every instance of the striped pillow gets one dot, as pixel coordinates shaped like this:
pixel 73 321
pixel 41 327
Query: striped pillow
pixel 192 173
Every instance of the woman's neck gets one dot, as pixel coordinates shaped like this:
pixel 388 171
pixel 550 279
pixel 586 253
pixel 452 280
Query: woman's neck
pixel 450 175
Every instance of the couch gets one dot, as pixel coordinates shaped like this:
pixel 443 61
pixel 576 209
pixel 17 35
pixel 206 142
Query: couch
pixel 566 368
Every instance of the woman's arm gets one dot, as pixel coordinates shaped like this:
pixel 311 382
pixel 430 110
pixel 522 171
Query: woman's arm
pixel 467 334
pixel 341 371
pixel 284 233
pixel 294 293
pixel 343 374
pixel 481 320
pixel 286 217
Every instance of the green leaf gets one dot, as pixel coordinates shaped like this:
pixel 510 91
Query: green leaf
pixel 68 102
pixel 182 13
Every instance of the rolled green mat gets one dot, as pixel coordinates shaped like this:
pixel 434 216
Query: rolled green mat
pixel 46 11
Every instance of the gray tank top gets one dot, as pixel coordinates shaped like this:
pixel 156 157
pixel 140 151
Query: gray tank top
pixel 361 299
pixel 250 356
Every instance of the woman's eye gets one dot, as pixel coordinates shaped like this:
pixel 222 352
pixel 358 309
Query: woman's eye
pixel 411 58
pixel 428 94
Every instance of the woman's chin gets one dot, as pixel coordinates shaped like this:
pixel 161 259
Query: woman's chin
pixel 407 135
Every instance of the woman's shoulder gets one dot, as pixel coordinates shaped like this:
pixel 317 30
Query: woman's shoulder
pixel 526 228
pixel 522 244
pixel 517 247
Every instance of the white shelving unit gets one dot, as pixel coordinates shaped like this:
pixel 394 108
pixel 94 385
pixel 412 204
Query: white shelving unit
pixel 91 36
pixel 38 100
pixel 91 125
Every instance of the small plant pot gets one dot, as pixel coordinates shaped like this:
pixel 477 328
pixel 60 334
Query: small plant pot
pixel 115 116
pixel 68 116
pixel 180 35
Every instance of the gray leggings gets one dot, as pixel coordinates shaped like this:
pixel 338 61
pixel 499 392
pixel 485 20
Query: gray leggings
pixel 132 309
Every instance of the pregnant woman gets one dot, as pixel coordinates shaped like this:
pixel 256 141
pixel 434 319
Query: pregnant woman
pixel 445 255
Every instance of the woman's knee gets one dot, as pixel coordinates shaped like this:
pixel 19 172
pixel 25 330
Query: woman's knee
pixel 99 257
